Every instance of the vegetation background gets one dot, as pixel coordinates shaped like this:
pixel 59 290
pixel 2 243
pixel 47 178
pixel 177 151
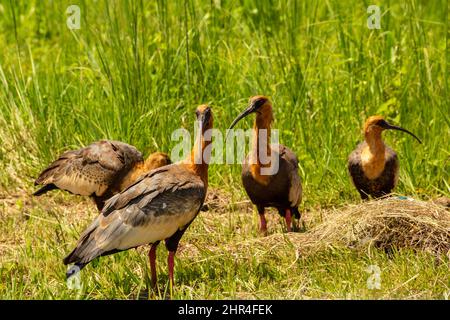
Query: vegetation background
pixel 135 71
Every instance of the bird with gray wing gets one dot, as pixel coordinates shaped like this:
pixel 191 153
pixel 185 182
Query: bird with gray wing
pixel 159 206
pixel 99 170
pixel 373 166
pixel 281 189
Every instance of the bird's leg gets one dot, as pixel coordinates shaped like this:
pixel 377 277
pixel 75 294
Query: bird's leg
pixel 296 225
pixel 152 258
pixel 288 218
pixel 170 262
pixel 172 245
pixel 262 221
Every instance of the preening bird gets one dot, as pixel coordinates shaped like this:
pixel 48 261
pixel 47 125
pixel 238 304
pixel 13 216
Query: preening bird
pixel 99 170
pixel 282 189
pixel 374 166
pixel 160 205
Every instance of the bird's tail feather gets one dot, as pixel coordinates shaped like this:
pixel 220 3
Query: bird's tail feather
pixel 45 189
pixel 86 248
pixel 74 269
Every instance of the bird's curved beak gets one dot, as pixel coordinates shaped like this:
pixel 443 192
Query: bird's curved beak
pixel 246 112
pixel 391 127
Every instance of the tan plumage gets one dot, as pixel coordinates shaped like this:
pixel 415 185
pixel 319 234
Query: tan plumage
pixel 373 166
pixel 160 205
pixel 99 170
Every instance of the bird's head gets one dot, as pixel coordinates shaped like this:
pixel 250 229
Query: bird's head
pixel 204 117
pixel 156 160
pixel 376 124
pixel 260 105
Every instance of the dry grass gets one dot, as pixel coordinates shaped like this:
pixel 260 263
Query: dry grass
pixel 223 255
pixel 386 224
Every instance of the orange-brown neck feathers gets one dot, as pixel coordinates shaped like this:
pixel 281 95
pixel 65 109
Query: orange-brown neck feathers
pixel 261 142
pixel 199 159
pixel 373 155
pixel 156 160
pixel 372 134
pixel 264 116
pixel 373 163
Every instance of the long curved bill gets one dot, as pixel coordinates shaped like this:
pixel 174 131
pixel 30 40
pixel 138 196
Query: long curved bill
pixel 389 126
pixel 242 115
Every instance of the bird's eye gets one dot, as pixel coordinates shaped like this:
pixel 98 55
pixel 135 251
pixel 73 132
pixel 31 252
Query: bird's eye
pixel 259 103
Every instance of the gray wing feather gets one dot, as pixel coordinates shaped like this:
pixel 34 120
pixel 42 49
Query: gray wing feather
pixel 295 189
pixel 91 169
pixel 152 209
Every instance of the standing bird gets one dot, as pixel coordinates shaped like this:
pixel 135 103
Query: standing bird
pixel 99 170
pixel 160 205
pixel 373 166
pixel 282 189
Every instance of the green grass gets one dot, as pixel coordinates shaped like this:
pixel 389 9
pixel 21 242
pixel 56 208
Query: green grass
pixel 136 70
pixel 220 257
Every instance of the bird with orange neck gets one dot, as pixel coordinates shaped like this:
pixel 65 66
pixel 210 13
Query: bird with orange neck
pixel 373 166
pixel 100 170
pixel 159 206
pixel 281 189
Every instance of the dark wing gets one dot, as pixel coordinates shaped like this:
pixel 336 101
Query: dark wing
pixel 90 170
pixel 379 186
pixel 295 188
pixel 390 173
pixel 356 172
pixel 153 208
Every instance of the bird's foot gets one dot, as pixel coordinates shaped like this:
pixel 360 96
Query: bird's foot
pixel 263 231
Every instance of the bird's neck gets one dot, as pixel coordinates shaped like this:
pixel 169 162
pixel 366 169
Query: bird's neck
pixel 139 169
pixel 261 147
pixel 199 158
pixel 373 155
pixel 149 164
pixel 375 142
pixel 136 171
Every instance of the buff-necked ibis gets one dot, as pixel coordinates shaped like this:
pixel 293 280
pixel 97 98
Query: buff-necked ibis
pixel 159 206
pixel 281 190
pixel 373 166
pixel 99 170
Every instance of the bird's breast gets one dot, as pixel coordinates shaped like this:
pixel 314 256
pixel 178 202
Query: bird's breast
pixel 372 163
